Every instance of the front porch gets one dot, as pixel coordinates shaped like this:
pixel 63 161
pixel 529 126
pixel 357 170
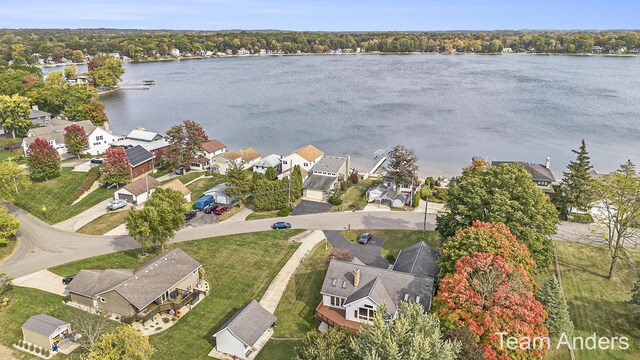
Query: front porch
pixel 335 318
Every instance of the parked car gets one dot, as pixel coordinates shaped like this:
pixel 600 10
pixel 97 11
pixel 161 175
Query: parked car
pixel 116 204
pixel 209 208
pixel 281 225
pixel 203 202
pixel 364 238
pixel 182 170
pixel 67 280
pixel 221 209
pixel 97 160
pixel 190 215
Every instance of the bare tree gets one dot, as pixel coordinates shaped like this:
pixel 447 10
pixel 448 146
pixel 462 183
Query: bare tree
pixel 403 166
pixel 91 327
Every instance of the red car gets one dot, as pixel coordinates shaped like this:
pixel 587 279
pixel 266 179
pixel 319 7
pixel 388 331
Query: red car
pixel 221 209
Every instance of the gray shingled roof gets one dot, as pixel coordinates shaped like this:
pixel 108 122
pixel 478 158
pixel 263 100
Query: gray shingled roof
pixel 396 283
pixel 538 172
pixel 331 164
pixel 319 182
pixel 375 290
pixel 249 323
pixel 272 160
pixel 141 286
pixel 138 155
pixel 418 259
pixel 43 324
pixel 38 114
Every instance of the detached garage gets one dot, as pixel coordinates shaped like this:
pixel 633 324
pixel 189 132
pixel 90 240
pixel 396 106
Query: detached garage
pixel 138 191
pixel 45 331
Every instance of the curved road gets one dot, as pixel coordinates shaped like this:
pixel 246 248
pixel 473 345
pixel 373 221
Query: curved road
pixel 42 246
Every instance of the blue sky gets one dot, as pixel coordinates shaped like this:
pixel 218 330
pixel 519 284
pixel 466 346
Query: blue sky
pixel 328 15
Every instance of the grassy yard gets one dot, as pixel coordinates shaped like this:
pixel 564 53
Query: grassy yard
pixel 104 223
pixel 353 198
pixel 278 350
pixel 190 176
pixel 239 268
pixel 54 193
pixel 262 215
pixel 199 187
pixel 397 240
pixel 7 249
pixel 597 304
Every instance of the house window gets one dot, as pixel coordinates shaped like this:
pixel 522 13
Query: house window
pixel 99 137
pixel 189 288
pixel 103 300
pixel 337 301
pixel 284 162
pixel 366 314
pixel 306 164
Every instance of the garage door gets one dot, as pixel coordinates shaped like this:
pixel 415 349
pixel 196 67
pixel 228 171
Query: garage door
pixel 313 195
pixel 126 197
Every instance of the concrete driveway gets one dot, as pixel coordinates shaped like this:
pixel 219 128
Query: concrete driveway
pixel 306 207
pixel 85 217
pixel 369 253
pixel 43 280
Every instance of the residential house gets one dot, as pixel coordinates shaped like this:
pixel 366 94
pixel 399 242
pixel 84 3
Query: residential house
pixel 249 157
pixel 177 185
pixel 168 282
pixel 38 117
pixel 245 331
pixel 138 191
pixel 272 160
pixel 46 331
pixel 175 52
pixel 324 177
pixel 220 195
pixel 222 162
pixel 152 141
pixel 390 194
pixel 201 163
pixel 352 291
pixel 212 148
pixel 140 160
pixel 100 138
pixel 305 157
pixel 540 174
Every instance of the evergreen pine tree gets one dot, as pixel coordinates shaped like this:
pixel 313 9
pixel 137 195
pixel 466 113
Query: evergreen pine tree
pixel 576 183
pixel 552 298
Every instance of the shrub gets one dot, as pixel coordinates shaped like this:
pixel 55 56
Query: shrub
pixel 31 347
pixel 425 192
pixel 47 353
pixel 20 343
pixel 416 199
pixel 165 320
pixel 343 185
pixel 284 212
pixel 38 349
pixel 339 254
pixel 390 258
pixel 354 178
pixel 581 218
pixel 335 201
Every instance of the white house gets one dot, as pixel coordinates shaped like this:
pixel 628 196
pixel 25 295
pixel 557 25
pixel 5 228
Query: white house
pixel 150 140
pixel 305 157
pixel 100 138
pixel 245 332
pixel 177 185
pixel 212 148
pixel 175 52
pixel 325 176
pixel 272 160
pixel 138 191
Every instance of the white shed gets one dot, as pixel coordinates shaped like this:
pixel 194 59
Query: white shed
pixel 240 335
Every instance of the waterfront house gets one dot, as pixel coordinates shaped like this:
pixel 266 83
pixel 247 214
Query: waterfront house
pixel 220 163
pixel 138 191
pixel 177 185
pixel 151 141
pixel 168 282
pixel 305 157
pixel 100 138
pixel 46 331
pixel 249 157
pixel 245 332
pixel 202 163
pixel 141 161
pixel 212 148
pixel 324 177
pixel 540 174
pixel 272 160
pixel 352 291
pixel 38 117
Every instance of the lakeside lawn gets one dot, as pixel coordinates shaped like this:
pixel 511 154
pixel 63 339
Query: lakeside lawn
pixel 104 223
pixel 239 268
pixel 353 197
pixel 54 193
pixel 597 304
pixel 397 240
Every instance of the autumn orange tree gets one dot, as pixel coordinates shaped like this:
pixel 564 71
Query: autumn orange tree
pixel 491 296
pixel 482 237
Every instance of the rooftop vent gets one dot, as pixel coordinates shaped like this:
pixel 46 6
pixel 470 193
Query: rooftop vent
pixel 344 284
pixel 406 297
pixel 333 282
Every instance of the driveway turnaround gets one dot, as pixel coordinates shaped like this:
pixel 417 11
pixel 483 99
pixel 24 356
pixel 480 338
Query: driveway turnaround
pixel 43 280
pixel 306 207
pixel 369 253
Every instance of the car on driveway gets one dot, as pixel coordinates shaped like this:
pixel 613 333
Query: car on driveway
pixel 209 208
pixel 67 280
pixel 281 225
pixel 116 204
pixel 190 215
pixel 364 238
pixel 97 160
pixel 221 209
pixel 182 170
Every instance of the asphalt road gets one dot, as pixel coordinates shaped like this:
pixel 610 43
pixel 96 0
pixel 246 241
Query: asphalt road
pixel 42 246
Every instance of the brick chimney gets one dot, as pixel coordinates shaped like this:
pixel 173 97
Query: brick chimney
pixel 356 277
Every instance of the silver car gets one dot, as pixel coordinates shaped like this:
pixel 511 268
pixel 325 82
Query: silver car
pixel 116 204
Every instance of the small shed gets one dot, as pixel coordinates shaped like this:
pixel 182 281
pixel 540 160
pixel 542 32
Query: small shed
pixel 45 331
pixel 240 335
pixel 179 186
pixel 220 195
pixel 138 191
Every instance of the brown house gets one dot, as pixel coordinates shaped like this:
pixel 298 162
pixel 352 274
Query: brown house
pixel 141 161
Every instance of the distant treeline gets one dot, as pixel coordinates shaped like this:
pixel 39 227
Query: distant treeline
pixel 21 45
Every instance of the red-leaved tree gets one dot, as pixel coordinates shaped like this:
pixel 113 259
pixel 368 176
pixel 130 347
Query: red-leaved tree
pixel 75 139
pixel 490 296
pixel 95 112
pixel 492 238
pixel 43 160
pixel 116 169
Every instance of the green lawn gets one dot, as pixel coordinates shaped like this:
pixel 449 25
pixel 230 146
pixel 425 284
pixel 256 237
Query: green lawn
pixel 353 198
pixel 7 249
pixel 104 223
pixel 239 268
pixel 597 304
pixel 54 193
pixel 262 215
pixel 397 240
pixel 296 310
pixel 278 350
pixel 188 176
pixel 199 187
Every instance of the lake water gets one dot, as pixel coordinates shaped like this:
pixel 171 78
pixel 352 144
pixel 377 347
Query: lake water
pixel 447 108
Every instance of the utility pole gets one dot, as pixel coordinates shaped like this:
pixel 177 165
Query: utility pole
pixel 424 225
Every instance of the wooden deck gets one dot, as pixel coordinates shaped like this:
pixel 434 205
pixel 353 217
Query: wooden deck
pixel 335 318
